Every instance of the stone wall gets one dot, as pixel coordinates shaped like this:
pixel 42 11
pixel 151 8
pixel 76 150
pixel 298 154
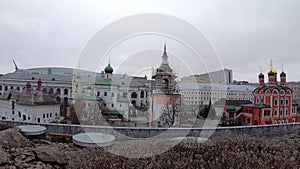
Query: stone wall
pixel 118 132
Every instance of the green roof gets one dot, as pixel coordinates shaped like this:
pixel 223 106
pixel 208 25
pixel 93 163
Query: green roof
pixel 122 99
pixel 115 112
pixel 106 82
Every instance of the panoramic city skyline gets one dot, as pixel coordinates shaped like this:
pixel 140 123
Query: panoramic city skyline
pixel 246 35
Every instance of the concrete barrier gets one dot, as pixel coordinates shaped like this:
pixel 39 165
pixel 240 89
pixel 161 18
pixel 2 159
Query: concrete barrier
pixel 132 132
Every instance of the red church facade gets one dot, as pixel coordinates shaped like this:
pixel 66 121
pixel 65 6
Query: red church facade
pixel 273 102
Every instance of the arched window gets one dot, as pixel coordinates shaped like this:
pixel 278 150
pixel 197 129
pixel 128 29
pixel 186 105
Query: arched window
pixel 51 91
pixel 133 95
pixel 142 94
pixel 165 84
pixel 58 99
pixel 66 92
pixel 18 88
pixel 58 91
pixel 255 122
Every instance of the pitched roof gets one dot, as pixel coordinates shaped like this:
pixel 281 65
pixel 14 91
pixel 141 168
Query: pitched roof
pixel 32 98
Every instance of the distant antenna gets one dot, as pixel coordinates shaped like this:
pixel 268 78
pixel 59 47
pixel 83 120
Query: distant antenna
pixel 16 67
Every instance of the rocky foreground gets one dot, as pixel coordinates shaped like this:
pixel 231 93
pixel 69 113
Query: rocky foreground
pixel 16 151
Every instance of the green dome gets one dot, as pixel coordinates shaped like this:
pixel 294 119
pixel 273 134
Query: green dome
pixel 108 69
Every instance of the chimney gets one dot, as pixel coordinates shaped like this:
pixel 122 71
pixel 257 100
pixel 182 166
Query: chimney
pixel 28 87
pixel 39 88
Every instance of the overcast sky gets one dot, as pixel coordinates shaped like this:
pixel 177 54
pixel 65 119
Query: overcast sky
pixel 245 33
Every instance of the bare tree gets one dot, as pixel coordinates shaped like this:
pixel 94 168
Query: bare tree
pixel 76 112
pixel 170 113
pixel 73 115
pixel 94 113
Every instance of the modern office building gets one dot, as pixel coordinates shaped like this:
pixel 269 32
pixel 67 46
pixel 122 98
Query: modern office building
pixel 202 93
pixel 224 76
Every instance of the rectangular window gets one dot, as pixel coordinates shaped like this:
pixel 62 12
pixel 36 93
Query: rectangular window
pixel 276 102
pixel 112 94
pixel 105 93
pixel 112 105
pixel 287 101
pixel 281 102
pixel 13 105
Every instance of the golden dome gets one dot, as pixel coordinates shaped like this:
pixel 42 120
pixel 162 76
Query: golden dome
pixel 272 69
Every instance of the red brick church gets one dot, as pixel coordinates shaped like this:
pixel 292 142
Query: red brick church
pixel 273 102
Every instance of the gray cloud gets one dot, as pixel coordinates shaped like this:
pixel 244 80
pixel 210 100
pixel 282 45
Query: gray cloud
pixel 245 33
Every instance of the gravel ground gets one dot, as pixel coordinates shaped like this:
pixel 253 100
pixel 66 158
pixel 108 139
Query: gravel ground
pixel 234 152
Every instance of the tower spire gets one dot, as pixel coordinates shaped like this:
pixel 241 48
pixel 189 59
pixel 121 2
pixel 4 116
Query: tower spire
pixel 260 69
pixel 165 47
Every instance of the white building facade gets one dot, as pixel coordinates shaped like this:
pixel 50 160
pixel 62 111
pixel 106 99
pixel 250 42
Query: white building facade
pixel 29 106
pixel 203 93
